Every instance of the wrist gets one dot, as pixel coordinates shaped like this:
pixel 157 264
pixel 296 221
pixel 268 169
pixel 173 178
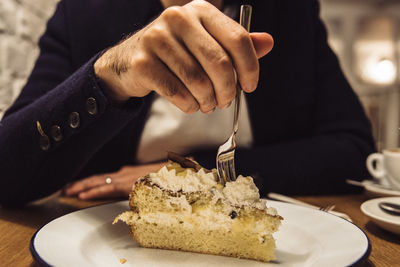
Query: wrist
pixel 109 80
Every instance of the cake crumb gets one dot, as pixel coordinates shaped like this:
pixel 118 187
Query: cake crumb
pixel 122 261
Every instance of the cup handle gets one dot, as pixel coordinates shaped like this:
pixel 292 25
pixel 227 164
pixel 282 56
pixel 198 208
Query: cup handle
pixel 377 171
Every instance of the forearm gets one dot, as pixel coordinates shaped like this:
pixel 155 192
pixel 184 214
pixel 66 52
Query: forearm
pixel 28 171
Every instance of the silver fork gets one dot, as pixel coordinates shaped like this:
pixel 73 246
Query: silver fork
pixel 226 152
pixel 328 208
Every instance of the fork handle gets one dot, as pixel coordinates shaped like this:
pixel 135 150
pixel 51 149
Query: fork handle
pixel 245 18
pixel 236 113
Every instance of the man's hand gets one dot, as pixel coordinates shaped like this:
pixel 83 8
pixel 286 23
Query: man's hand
pixel 187 55
pixel 95 186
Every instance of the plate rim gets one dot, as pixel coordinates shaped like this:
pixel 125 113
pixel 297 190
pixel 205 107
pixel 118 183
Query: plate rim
pixel 32 249
pixel 42 262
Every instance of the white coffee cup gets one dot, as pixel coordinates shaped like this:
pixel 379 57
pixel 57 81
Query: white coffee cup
pixel 386 166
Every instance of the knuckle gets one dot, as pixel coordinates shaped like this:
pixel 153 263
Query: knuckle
pixel 163 44
pixel 170 91
pixel 175 15
pixel 169 88
pixel 153 35
pixel 241 38
pixel 196 77
pixel 201 4
pixel 223 62
pixel 140 61
pixel 217 57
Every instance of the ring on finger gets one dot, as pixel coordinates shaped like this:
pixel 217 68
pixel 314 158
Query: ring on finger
pixel 108 180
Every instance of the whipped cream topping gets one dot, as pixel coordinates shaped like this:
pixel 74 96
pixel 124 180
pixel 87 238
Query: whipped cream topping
pixel 187 181
pixel 242 192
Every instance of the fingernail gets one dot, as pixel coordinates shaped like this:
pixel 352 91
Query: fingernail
pixel 210 111
pixel 227 105
pixel 82 195
pixel 250 87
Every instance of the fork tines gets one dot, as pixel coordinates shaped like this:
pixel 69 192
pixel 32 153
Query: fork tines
pixel 226 167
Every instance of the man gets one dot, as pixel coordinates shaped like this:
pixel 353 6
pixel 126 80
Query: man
pixel 86 113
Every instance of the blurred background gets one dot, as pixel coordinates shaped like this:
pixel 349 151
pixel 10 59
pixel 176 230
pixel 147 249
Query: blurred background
pixel 365 34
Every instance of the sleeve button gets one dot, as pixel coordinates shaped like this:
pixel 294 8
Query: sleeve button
pixel 74 120
pixel 44 142
pixel 91 106
pixel 56 133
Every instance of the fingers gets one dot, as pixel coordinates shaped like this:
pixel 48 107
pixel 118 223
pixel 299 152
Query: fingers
pixel 85 184
pixel 214 80
pixel 96 187
pixel 166 84
pixel 188 55
pixel 234 39
pixel 120 184
pixel 215 61
pixel 106 191
pixel 185 68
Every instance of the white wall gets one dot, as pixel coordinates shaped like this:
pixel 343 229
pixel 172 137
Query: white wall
pixel 22 22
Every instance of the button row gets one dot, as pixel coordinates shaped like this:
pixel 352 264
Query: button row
pixel 74 122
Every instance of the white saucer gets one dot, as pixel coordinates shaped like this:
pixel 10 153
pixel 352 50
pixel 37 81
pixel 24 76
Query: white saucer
pixel 377 215
pixel 375 190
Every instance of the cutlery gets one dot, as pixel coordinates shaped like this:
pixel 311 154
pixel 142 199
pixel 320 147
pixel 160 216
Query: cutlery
pixel 391 208
pixel 328 208
pixel 304 204
pixel 226 151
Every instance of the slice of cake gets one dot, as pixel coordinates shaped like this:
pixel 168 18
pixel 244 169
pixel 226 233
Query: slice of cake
pixel 183 209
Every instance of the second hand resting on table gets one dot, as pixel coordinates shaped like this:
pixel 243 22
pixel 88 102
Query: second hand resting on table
pixel 120 186
pixel 187 55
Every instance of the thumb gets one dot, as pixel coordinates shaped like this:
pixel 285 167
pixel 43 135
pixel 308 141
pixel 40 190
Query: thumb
pixel 263 43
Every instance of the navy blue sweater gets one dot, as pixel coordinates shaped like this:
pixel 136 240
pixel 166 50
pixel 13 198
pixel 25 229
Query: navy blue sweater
pixel 310 131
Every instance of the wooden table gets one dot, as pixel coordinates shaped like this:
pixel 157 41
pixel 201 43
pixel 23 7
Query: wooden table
pixel 17 227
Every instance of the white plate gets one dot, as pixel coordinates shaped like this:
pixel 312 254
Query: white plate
pixel 381 218
pixel 307 237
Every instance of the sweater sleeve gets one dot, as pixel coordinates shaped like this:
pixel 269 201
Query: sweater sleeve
pixel 335 149
pixel 75 118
